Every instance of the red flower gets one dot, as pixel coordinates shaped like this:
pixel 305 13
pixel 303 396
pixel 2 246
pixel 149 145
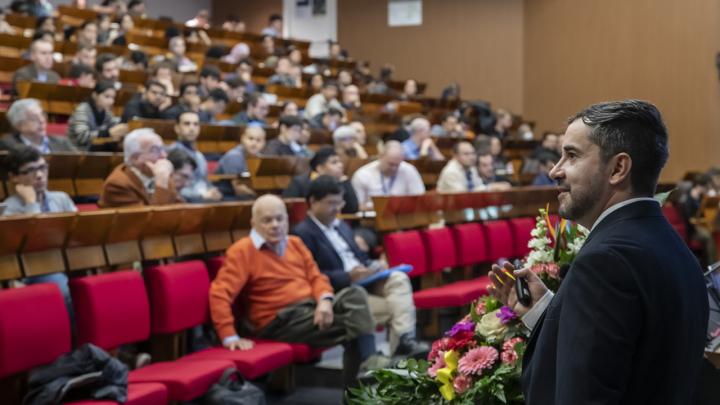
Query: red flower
pixel 462 340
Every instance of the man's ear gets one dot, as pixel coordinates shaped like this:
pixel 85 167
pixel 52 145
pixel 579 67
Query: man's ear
pixel 621 165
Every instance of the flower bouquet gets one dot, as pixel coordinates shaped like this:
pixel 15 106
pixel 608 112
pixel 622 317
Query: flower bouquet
pixel 478 361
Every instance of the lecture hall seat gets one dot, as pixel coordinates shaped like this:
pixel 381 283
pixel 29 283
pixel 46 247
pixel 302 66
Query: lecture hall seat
pixel 112 310
pixel 35 331
pixel 179 301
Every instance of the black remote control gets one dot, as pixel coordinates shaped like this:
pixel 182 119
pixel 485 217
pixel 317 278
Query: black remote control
pixel 522 290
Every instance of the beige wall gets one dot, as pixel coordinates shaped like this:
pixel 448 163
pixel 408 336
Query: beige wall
pixel 255 13
pixel 659 50
pixel 477 43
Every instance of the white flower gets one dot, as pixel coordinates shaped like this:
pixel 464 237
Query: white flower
pixel 538 243
pixel 491 326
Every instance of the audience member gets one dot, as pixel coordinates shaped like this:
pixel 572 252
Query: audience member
pixel 420 144
pixel 323 101
pixel 389 175
pixel 503 123
pixel 333 247
pixel 194 35
pixel 104 23
pixel 351 99
pixel 201 20
pixel 286 296
pixel 183 168
pixel 163 73
pixel 149 104
pixel 546 162
pixel 289 108
pixel 325 162
pixel 549 145
pixel 487 172
pixel 94 118
pixel 690 203
pixel 244 71
pixel 460 174
pixel 410 90
pixel 28 175
pixel 136 8
pixel 238 52
pixel 189 100
pixel 236 90
pixel 40 70
pixel 29 121
pixel 137 60
pixel 282 74
pixel 252 142
pixel 336 52
pixel 87 34
pixel 316 83
pixel 144 177
pixel 286 143
pixel 503 169
pixel 81 76
pixel 85 55
pixel 177 56
pixel 126 24
pixel 214 105
pixel 5 27
pixel 233 24
pixel 345 139
pixel 256 112
pixel 199 189
pixel 275 27
pixel 360 132
pixel 210 78
pixel 449 127
pixel 108 68
pixel 329 120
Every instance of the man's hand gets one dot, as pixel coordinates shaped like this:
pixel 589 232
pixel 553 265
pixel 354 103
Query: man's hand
pixel 360 273
pixel 161 169
pixel 118 131
pixel 503 287
pixel 242 189
pixel 212 194
pixel 323 314
pixel 26 193
pixel 242 344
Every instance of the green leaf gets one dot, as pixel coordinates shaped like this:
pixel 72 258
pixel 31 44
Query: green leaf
pixel 663 197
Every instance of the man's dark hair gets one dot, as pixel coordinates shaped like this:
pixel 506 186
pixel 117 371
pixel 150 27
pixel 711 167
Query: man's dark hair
pixel 139 57
pixel 290 121
pixel 102 59
pixel 218 95
pixel 156 83
pixel 456 146
pixel 275 17
pixel 86 23
pixel 335 111
pixel 634 127
pixel 235 82
pixel 322 187
pixel 321 156
pixel 185 111
pixel 18 156
pixel 547 158
pixel 102 86
pixel 79 69
pixel 330 83
pixel 253 99
pixel 702 179
pixel 39 36
pixel 179 158
pixel 187 85
pixel 210 71
pixel 41 20
pixel 134 3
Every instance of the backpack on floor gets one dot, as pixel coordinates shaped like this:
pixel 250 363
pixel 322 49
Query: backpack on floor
pixel 233 391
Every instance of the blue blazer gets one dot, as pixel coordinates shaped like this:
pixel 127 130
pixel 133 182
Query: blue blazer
pixel 325 255
pixel 629 323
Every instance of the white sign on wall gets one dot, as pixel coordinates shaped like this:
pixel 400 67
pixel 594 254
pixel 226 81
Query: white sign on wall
pixel 403 13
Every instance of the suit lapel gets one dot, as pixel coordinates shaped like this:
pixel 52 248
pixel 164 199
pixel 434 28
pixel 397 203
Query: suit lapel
pixel 323 239
pixel 137 185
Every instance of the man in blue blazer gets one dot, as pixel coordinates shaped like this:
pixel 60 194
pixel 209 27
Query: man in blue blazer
pixel 628 324
pixel 334 249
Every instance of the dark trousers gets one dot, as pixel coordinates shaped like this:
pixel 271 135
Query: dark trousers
pixel 352 320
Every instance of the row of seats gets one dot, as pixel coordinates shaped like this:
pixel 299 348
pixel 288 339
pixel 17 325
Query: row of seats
pixel 434 250
pixel 125 307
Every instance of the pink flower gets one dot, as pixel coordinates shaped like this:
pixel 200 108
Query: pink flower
pixel 438 346
pixel 480 308
pixel 462 383
pixel 476 360
pixel 509 355
pixel 553 269
pixel 439 363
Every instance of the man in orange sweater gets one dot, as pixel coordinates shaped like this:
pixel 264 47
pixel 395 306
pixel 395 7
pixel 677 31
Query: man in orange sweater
pixel 287 297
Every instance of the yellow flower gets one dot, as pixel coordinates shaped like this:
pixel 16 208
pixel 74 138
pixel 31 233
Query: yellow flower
pixel 445 375
pixel 491 326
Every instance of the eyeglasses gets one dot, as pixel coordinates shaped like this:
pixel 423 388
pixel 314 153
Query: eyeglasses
pixel 33 169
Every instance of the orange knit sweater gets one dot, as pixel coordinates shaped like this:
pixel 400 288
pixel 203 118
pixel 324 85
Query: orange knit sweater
pixel 269 283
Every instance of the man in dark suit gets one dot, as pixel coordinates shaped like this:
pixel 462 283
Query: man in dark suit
pixel 326 162
pixel 40 70
pixel 337 255
pixel 30 123
pixel 628 324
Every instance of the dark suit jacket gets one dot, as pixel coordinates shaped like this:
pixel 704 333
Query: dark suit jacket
pixel 628 324
pixel 325 255
pixel 56 143
pixel 300 186
pixel 123 188
pixel 29 73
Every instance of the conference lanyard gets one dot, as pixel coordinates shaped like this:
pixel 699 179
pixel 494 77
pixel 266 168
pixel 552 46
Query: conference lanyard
pixel 386 189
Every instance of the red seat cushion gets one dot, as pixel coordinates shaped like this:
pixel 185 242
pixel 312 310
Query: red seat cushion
pixel 178 296
pixel 138 394
pixel 451 295
pixel 303 353
pixel 440 248
pixel 111 309
pixel 184 380
pixel 521 228
pixel 56 129
pixel 34 327
pixel 500 240
pixel 406 248
pixel 87 207
pixel 470 244
pixel 260 360
pixel 212 166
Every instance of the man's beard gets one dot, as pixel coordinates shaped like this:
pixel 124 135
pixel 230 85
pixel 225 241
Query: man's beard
pixel 579 202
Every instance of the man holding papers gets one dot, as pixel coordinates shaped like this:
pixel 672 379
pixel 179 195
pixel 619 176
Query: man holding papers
pixel 332 245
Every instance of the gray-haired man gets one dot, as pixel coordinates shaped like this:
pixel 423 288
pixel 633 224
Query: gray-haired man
pixel 30 123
